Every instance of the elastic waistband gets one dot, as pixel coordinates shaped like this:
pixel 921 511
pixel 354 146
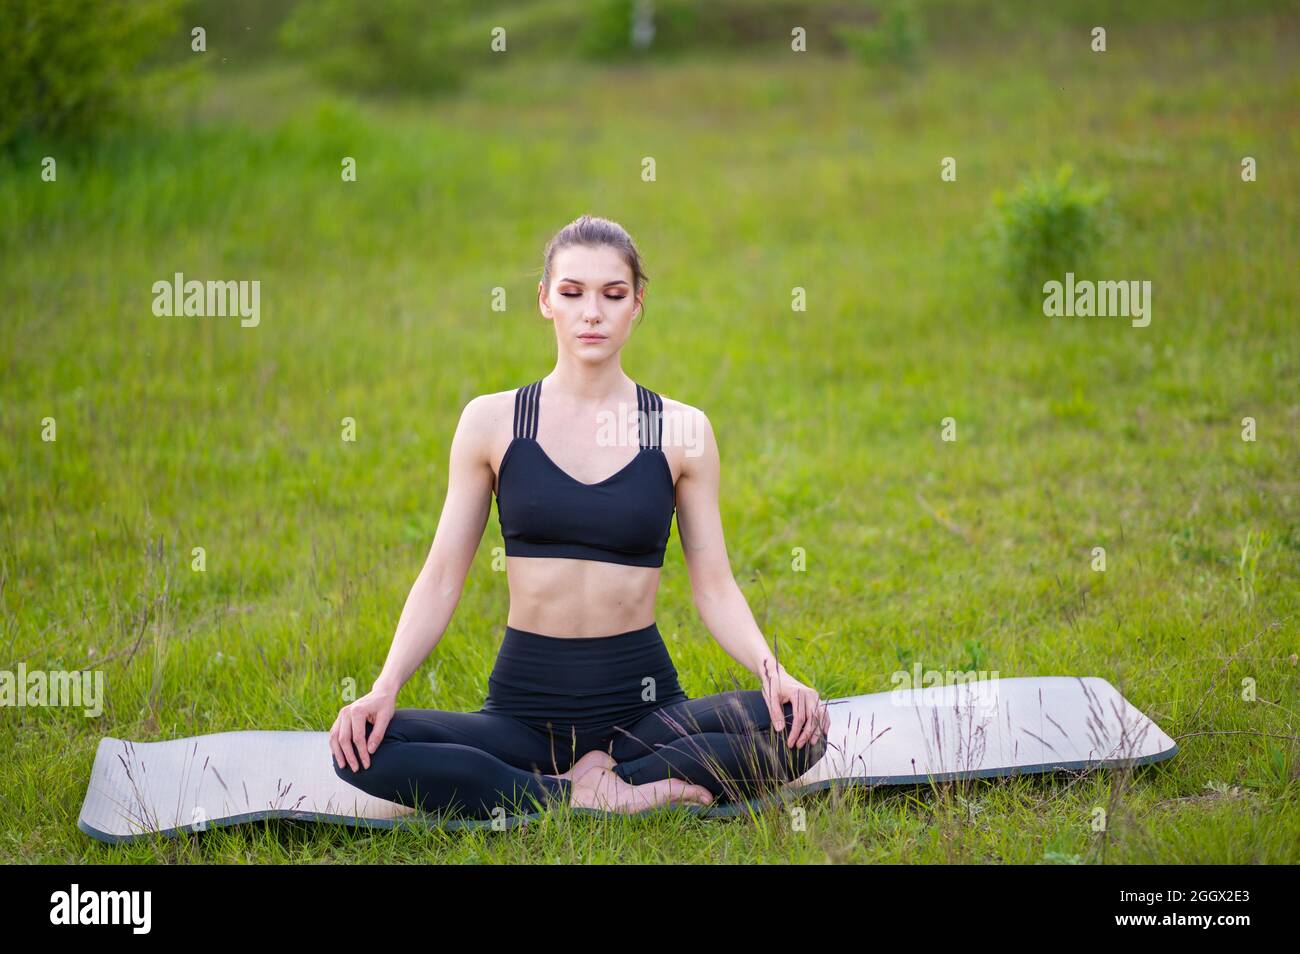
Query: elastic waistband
pixel 584 680
pixel 618 640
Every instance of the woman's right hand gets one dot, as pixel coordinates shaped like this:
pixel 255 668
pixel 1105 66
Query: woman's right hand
pixel 348 734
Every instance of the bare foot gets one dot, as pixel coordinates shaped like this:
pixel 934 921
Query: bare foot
pixel 602 789
pixel 593 759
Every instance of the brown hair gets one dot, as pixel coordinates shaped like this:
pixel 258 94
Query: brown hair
pixel 595 231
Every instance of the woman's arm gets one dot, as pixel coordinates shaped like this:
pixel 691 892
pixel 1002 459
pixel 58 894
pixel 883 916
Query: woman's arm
pixel 721 604
pixel 438 588
pixel 436 591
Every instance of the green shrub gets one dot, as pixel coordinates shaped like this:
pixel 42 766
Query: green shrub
pixel 70 67
pixel 381 46
pixel 895 40
pixel 607 31
pixel 1047 226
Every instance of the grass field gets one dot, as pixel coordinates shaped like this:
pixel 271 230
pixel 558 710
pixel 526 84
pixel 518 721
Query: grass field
pixel 773 171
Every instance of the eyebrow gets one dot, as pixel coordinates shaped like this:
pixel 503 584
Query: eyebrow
pixel 607 284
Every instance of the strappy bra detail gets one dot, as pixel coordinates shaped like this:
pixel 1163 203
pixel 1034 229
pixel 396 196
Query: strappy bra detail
pixel 546 512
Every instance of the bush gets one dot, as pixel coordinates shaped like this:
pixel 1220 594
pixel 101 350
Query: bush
pixel 382 45
pixel 895 40
pixel 608 30
pixel 1046 227
pixel 69 67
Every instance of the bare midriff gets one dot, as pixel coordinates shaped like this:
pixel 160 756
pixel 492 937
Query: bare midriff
pixel 564 597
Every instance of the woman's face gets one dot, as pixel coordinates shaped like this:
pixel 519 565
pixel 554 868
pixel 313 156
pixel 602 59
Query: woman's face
pixel 590 300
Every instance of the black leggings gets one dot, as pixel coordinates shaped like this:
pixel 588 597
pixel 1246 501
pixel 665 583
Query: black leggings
pixel 553 699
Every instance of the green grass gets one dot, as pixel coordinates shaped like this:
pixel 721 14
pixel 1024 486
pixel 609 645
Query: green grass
pixel 773 172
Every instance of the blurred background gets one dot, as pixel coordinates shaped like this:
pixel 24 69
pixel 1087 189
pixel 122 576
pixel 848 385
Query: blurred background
pixel 793 146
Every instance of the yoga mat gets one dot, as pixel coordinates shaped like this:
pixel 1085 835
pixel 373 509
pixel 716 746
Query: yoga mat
pixel 984 729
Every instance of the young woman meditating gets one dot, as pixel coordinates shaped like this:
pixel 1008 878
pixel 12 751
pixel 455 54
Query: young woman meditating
pixel 583 703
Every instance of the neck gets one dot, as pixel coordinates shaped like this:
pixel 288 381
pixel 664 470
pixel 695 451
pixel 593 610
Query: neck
pixel 584 383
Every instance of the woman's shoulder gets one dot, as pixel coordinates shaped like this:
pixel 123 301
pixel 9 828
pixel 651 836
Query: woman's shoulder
pixel 672 406
pixel 684 424
pixel 489 404
pixel 487 416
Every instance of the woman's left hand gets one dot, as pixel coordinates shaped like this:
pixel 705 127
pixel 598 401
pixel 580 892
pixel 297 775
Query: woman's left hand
pixel 811 720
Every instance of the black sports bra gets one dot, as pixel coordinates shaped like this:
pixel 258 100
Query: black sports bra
pixel 544 512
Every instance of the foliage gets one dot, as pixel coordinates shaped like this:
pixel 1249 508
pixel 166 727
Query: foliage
pixel 73 66
pixel 382 46
pixel 1046 226
pixel 895 39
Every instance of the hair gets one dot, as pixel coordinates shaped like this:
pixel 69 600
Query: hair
pixel 595 231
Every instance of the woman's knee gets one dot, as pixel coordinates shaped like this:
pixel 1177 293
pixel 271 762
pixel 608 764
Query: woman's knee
pixel 790 762
pixel 366 779
pixel 358 777
pixel 755 713
pixel 744 710
pixel 383 752
pixel 804 757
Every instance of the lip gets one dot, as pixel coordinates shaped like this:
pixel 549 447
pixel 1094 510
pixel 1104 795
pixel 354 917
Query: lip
pixel 592 337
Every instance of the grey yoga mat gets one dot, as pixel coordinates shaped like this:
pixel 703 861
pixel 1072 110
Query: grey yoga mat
pixel 995 727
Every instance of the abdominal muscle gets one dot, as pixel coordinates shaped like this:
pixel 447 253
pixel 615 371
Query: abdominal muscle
pixel 553 596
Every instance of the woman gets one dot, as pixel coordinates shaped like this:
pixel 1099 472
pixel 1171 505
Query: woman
pixel 583 703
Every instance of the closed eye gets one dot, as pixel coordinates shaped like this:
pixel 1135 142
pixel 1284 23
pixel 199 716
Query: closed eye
pixel 579 295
